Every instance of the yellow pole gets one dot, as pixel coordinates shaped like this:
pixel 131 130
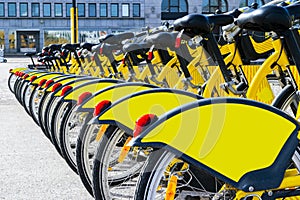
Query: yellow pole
pixel 74 23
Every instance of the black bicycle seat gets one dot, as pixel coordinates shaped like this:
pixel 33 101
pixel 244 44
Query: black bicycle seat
pixel 118 38
pixel 71 47
pixel 87 46
pixel 294 10
pixel 197 24
pixel 138 48
pixel 163 39
pixel 55 47
pixel 266 19
pixel 29 54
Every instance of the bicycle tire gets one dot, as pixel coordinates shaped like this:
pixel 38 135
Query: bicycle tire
pixel 112 179
pixel 155 168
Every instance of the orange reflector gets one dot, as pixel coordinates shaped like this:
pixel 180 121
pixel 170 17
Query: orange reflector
pixel 171 189
pixel 124 151
pixel 101 132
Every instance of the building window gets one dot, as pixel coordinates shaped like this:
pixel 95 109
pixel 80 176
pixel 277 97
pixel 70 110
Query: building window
pixel 136 12
pixel 12 9
pixel 244 3
pixel 103 10
pixel 81 9
pixel 58 10
pixel 114 9
pixel 210 6
pixel 125 9
pixel 68 8
pixel 92 10
pixel 35 9
pixel 173 9
pixel 23 9
pixel 47 10
pixel 1 9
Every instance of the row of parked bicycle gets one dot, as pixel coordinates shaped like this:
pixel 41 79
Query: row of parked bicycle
pixel 178 111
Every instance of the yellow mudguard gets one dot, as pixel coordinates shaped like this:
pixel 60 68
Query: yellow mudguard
pixel 127 110
pixel 46 76
pixel 243 142
pixel 90 86
pixel 114 93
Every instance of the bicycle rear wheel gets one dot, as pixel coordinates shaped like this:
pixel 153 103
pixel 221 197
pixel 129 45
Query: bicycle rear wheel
pixel 191 181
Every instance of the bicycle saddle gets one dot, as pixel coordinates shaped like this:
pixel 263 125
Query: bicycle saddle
pixel 197 24
pixel 96 48
pixel 294 10
pixel 107 49
pixel 71 47
pixel 118 38
pixel 266 19
pixel 138 48
pixel 55 47
pixel 29 54
pixel 103 38
pixel 163 39
pixel 87 46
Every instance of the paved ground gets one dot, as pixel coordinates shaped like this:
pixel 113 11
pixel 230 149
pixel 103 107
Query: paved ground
pixel 30 167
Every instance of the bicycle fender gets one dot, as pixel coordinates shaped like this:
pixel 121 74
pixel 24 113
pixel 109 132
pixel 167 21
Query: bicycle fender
pixel 125 111
pixel 18 69
pixel 73 82
pixel 46 76
pixel 90 86
pixel 112 94
pixel 243 142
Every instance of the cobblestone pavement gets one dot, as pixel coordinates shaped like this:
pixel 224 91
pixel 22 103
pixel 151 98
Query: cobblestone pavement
pixel 30 167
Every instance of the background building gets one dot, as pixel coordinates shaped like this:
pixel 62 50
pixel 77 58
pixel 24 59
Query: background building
pixel 27 26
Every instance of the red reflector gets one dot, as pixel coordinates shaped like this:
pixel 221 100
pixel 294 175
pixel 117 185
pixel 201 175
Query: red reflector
pixel 25 76
pixel 101 51
pixel 42 82
pixel 150 55
pixel 177 42
pixel 101 107
pixel 48 83
pixel 66 89
pixel 123 61
pixel 55 86
pixel 143 122
pixel 83 97
pixel 33 78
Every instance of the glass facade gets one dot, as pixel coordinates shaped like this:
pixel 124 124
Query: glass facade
pixel 35 9
pixel 125 9
pixel 12 10
pixel 58 10
pixel 103 9
pixel 2 10
pixel 136 10
pixel 114 10
pixel 47 9
pixel 23 9
pixel 81 9
pixel 92 10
